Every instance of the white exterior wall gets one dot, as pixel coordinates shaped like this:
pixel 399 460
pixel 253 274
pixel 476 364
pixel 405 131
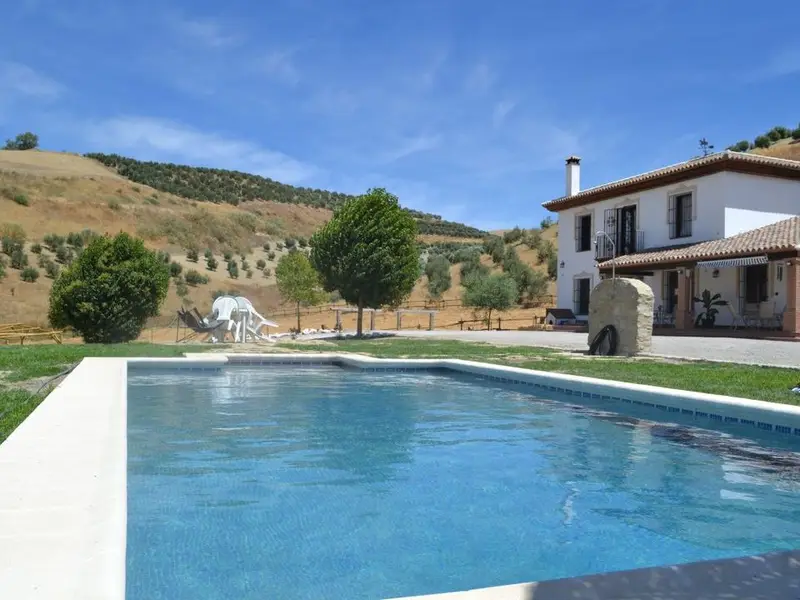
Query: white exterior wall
pixel 724 204
pixel 652 218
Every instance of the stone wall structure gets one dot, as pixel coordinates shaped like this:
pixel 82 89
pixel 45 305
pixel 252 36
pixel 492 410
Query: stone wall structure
pixel 627 304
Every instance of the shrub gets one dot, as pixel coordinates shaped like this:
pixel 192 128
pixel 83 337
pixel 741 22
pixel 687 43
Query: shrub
pixel 267 272
pixel 546 223
pixel 227 255
pixel 514 235
pixel 245 265
pixel 2 271
pixel 552 267
pixel 13 234
pixel 279 246
pixel 267 247
pixel 778 133
pixel 114 204
pixel 302 242
pixel 289 243
pixel 29 274
pixel 175 269
pixel 63 255
pixel 742 146
pixel 194 278
pixel 260 264
pixel 51 269
pixel 211 264
pixel 153 201
pixel 249 274
pixel 19 260
pixel 192 256
pixel 23 141
pixel 110 291
pixel 271 256
pixel 75 240
pixel 53 241
pixel 163 256
pixel 493 245
pixel 233 269
pixel 181 288
pixel 208 253
pixel 796 134
pixel 762 141
pixel 21 199
pixel 8 245
pixel 36 248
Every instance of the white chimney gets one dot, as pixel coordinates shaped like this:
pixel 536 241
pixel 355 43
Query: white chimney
pixel 573 175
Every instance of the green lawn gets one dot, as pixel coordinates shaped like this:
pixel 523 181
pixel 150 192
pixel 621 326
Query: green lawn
pixel 760 383
pixel 23 363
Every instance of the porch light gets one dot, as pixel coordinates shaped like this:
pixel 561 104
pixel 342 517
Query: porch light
pixel 561 264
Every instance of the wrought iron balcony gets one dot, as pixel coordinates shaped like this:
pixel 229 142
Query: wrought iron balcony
pixel 622 245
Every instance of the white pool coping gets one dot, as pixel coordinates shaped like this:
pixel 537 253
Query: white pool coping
pixel 63 471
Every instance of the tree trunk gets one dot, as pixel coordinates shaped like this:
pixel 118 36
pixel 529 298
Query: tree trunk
pixel 489 321
pixel 298 317
pixel 360 320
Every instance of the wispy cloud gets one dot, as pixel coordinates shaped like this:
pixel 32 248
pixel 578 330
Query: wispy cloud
pixel 279 64
pixel 208 32
pixel 780 64
pixel 420 143
pixel 18 80
pixel 159 139
pixel 501 110
pixel 480 78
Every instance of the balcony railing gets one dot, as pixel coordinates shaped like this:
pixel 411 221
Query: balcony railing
pixel 605 250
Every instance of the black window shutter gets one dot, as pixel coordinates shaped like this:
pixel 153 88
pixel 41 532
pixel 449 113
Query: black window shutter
pixel 671 217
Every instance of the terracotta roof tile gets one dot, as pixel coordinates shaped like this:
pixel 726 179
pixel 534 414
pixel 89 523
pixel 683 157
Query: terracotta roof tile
pixel 697 167
pixel 781 236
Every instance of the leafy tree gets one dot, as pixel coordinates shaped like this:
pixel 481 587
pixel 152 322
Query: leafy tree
pixel 545 250
pixel 110 291
pixel 181 288
pixel 514 235
pixel 532 238
pixel 796 133
pixel 163 256
pixel 260 264
pixel 762 141
pixel 271 256
pixel 233 269
pixel 437 270
pixel 368 252
pixel 211 264
pixel 29 274
pixel 175 269
pixel 302 242
pixel 552 267
pixel 298 282
pixel 194 278
pixel 51 269
pixel 19 260
pixel 493 245
pixel 546 223
pixel 497 291
pixel 778 133
pixel 742 146
pixel 192 255
pixel 23 141
pixel 472 267
pixel 267 247
pixel 63 255
pixel 208 254
pixel 227 255
pixel 53 241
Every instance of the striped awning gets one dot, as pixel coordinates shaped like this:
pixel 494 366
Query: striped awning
pixel 734 262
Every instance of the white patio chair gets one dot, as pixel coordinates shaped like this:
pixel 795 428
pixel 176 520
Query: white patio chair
pixel 777 317
pixel 738 320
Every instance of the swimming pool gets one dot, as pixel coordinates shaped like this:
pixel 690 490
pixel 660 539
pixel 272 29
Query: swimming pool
pixel 323 482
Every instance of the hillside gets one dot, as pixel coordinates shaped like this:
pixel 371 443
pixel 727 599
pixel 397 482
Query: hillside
pixel 47 193
pixel 786 148
pixel 234 187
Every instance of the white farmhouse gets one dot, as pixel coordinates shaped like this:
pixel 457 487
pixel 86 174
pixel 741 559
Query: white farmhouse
pixel 726 223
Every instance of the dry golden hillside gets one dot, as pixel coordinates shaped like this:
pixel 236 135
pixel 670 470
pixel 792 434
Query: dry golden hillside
pixel 787 148
pixel 58 193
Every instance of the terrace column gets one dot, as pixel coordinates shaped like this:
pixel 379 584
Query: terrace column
pixel 683 312
pixel 791 318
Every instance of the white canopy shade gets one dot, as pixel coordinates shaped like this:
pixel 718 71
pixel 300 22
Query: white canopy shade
pixel 734 262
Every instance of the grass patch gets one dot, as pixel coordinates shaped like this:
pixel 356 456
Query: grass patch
pixel 744 381
pixel 23 363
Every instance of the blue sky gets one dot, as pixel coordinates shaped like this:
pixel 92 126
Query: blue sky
pixel 460 107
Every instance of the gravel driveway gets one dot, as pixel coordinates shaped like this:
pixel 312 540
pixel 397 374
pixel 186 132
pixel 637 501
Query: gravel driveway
pixel 736 350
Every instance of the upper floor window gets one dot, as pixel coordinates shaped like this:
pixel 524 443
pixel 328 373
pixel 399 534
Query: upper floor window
pixel 583 233
pixel 680 215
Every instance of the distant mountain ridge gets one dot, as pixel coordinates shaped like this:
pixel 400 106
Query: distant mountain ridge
pixel 233 187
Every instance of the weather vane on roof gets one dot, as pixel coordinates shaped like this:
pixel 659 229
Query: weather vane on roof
pixel 706 147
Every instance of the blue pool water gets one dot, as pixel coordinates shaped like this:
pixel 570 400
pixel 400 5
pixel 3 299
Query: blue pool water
pixel 284 482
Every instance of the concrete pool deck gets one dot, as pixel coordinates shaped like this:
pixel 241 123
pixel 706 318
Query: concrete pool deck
pixel 63 471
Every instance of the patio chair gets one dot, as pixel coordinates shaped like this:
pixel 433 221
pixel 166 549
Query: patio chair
pixel 777 317
pixel 738 320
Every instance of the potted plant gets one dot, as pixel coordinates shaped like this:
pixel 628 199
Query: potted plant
pixel 708 317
